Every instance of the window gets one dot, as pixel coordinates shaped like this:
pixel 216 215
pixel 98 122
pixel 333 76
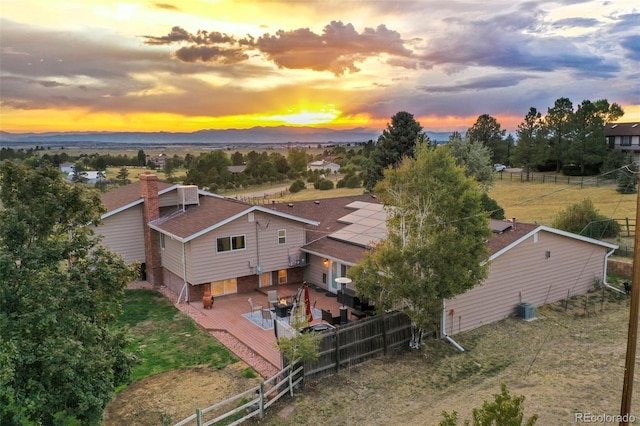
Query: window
pixel 282 236
pixel 162 241
pixel 232 243
pixel 282 276
pixel 625 140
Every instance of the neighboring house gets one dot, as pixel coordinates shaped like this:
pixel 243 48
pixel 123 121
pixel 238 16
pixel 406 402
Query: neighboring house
pixel 67 167
pixel 323 165
pixel 92 176
pixel 234 170
pixel 528 263
pixel 624 137
pixel 190 239
pixel 159 160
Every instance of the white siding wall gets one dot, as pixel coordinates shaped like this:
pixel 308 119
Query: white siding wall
pixel 123 234
pixel 205 265
pixel 525 275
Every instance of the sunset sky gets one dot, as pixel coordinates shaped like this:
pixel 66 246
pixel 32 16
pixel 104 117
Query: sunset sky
pixel 187 65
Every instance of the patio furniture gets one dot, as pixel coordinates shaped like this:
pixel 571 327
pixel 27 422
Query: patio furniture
pixel 254 308
pixel 328 317
pixel 267 315
pixel 283 309
pixel 272 296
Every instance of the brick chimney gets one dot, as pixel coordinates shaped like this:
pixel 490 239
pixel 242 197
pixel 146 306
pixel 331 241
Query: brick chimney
pixel 150 212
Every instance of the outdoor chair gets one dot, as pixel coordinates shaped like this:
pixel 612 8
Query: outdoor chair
pixel 254 308
pixel 267 315
pixel 272 296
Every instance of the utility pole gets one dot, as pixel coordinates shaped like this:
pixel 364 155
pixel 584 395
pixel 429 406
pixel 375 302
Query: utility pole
pixel 632 335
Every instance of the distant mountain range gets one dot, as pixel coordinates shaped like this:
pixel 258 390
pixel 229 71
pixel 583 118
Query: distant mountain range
pixel 254 135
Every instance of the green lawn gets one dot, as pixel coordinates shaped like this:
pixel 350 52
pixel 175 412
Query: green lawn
pixel 165 339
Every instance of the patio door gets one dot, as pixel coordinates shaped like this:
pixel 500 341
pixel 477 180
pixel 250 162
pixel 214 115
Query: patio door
pixel 219 288
pixel 265 279
pixel 333 274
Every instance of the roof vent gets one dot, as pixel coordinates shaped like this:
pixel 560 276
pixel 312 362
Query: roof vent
pixel 316 202
pixel 188 195
pixel 635 125
pixel 290 204
pixel 614 126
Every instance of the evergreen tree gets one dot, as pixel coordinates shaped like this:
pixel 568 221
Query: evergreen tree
pixel 397 141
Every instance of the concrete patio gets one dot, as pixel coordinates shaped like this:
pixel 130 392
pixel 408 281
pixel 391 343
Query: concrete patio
pixel 248 341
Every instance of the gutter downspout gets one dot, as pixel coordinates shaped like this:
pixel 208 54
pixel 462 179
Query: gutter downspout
pixel 443 328
pixel 184 273
pixel 604 278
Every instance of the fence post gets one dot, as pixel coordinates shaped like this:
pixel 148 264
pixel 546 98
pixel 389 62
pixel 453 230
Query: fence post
pixel 262 398
pixel 384 334
pixel 337 351
pixel 198 417
pixel 628 230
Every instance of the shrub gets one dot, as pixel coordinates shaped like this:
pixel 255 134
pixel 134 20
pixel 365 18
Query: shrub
pixel 297 186
pixel 583 218
pixel 324 185
pixel 491 206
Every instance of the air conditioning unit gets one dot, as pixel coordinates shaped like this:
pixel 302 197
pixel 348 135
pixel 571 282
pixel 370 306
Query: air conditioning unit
pixel 188 195
pixel 527 311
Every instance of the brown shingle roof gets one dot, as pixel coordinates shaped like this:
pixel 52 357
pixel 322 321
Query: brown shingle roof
pixel 622 129
pixel 120 197
pixel 328 211
pixel 212 211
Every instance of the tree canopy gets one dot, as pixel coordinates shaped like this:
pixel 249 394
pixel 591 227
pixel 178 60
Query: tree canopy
pixel 397 141
pixel 532 141
pixel 436 238
pixel 59 291
pixel 490 133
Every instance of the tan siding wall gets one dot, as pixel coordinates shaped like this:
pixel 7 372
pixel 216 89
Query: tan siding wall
pixel 123 234
pixel 172 256
pixel 524 274
pixel 169 199
pixel 313 272
pixel 205 265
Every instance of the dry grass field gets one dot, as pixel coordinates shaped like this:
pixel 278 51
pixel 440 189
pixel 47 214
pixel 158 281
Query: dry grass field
pixel 564 362
pixel 537 202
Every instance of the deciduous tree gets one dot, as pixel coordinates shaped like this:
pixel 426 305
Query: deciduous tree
pixel 474 157
pixel 436 238
pixel 60 291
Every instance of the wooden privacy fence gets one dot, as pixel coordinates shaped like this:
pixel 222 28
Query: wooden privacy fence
pixel 347 345
pixel 358 341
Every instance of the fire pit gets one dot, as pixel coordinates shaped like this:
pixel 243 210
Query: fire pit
pixel 283 308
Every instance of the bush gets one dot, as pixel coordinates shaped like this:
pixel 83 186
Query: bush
pixel 491 206
pixel 324 185
pixel 582 218
pixel 297 186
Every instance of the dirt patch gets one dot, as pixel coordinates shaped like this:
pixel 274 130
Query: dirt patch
pixel 169 397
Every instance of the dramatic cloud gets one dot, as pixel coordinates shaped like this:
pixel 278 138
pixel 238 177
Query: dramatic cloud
pixel 446 62
pixel 481 83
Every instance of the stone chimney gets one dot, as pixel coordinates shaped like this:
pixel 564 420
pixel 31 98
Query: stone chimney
pixel 150 212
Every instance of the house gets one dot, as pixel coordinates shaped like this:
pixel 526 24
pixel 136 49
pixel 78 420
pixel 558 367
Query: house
pixel 323 165
pixel 159 160
pixel 188 239
pixel 528 263
pixel 624 137
pixel 67 167
pixel 91 176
